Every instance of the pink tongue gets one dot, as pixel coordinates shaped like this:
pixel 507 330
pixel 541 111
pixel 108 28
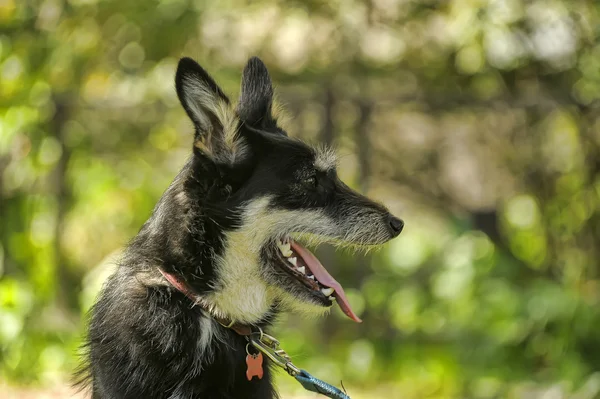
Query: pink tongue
pixel 325 279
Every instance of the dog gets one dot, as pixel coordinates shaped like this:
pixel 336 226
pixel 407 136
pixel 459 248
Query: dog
pixel 221 254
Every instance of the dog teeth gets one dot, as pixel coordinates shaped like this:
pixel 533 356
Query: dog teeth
pixel 293 261
pixel 284 248
pixel 331 298
pixel 327 291
pixel 311 277
pixel 301 269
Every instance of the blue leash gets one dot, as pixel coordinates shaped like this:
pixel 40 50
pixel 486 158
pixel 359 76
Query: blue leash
pixel 313 384
pixel 269 346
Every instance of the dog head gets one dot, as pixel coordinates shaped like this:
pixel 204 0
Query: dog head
pixel 278 192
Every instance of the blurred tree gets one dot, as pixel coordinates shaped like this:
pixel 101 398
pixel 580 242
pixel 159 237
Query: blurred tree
pixel 478 121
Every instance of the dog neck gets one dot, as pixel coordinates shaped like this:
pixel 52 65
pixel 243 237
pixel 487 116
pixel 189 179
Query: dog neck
pixel 181 286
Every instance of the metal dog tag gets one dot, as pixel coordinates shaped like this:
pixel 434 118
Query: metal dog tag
pixel 254 364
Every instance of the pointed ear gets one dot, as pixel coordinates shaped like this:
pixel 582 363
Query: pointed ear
pixel 198 93
pixel 209 108
pixel 256 98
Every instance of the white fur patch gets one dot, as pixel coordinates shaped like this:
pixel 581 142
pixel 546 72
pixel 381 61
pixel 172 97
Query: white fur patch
pixel 198 98
pixel 292 304
pixel 241 292
pixel 325 159
pixel 207 332
pixel 224 146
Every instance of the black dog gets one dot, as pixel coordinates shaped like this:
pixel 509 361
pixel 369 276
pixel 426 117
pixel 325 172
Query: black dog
pixel 220 255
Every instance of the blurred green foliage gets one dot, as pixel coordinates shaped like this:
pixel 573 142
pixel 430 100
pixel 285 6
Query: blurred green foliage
pixel 476 121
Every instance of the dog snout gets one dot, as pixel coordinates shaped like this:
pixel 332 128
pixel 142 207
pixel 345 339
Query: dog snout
pixel 396 225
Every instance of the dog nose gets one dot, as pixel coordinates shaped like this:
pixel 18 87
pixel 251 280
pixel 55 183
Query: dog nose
pixel 396 225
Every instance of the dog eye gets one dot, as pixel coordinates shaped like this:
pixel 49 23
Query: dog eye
pixel 310 181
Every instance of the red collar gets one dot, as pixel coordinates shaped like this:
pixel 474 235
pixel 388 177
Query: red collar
pixel 181 286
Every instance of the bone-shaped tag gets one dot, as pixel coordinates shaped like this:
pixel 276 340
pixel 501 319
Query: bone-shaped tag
pixel 254 363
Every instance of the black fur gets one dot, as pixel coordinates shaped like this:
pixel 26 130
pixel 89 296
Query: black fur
pixel 145 338
pixel 256 97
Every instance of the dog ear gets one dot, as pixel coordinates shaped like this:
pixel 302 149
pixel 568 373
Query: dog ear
pixel 199 95
pixel 256 98
pixel 209 108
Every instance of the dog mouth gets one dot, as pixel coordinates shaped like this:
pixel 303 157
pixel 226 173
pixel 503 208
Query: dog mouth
pixel 304 266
